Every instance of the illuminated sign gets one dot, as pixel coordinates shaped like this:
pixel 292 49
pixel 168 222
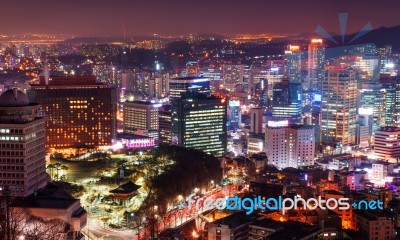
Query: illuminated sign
pixel 365 111
pixel 294 48
pixel 316 40
pixel 280 123
pixel 234 103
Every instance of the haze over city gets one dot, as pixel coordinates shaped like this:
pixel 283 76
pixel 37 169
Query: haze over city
pixel 175 17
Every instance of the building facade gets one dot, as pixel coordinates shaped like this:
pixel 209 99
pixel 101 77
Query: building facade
pixel 177 86
pixel 339 107
pixel 199 122
pixel 79 111
pixel 387 142
pixel 22 144
pixel 292 146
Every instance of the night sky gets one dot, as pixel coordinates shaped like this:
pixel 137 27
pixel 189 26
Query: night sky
pixel 228 17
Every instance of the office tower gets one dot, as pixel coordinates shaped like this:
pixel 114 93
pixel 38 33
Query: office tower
pixel 316 73
pixel 141 115
pixel 165 125
pixel 234 115
pixel 368 66
pixel 339 107
pixel 256 120
pixel 177 86
pixel 258 72
pixel 79 111
pixel 286 103
pixel 232 75
pixel 372 102
pixel 22 144
pixel 293 58
pixel 158 86
pixel 291 146
pixel 199 122
pixel 391 91
pixel 212 73
pixel 387 142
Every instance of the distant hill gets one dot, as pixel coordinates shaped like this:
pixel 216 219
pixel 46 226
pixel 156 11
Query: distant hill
pixel 381 36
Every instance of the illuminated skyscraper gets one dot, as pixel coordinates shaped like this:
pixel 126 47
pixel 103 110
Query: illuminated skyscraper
pixel 164 117
pixel 141 115
pixel 199 122
pixel 372 102
pixel 293 58
pixel 316 73
pixel 286 102
pixel 22 144
pixel 232 75
pixel 234 114
pixel 177 86
pixel 339 107
pixel 392 103
pixel 79 111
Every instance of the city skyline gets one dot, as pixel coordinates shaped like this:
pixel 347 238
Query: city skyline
pixel 136 18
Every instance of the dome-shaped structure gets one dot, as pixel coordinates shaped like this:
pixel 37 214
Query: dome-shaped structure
pixel 14 98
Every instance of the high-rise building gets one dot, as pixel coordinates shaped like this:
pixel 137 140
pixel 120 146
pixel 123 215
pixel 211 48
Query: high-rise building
pixel 22 144
pixel 391 91
pixel 234 115
pixel 79 111
pixel 177 86
pixel 316 72
pixel 387 142
pixel 293 57
pixel 291 146
pixel 164 117
pixel 368 66
pixel 199 122
pixel 287 101
pixel 339 107
pixel 256 120
pixel 232 75
pixel 372 102
pixel 141 115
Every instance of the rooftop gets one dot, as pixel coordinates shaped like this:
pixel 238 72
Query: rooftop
pixel 126 188
pixel 51 196
pixel 235 220
pixel 14 98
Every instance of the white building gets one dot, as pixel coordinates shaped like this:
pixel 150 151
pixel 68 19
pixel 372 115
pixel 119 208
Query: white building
pixel 380 170
pixel 387 142
pixel 22 144
pixel 291 146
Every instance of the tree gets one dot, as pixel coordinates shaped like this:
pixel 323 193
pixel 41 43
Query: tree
pixel 25 225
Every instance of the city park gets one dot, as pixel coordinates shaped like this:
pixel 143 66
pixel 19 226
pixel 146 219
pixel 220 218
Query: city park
pixel 137 193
